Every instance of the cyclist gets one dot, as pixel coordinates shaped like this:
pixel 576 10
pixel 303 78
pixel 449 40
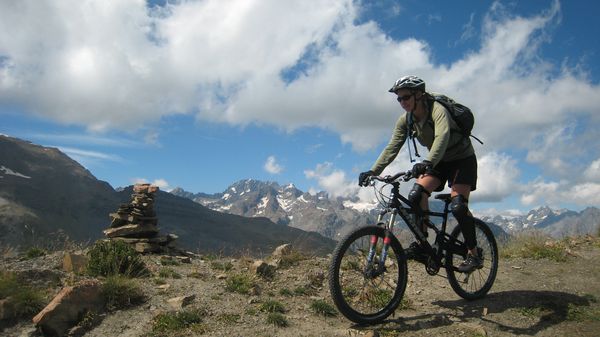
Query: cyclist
pixel 451 158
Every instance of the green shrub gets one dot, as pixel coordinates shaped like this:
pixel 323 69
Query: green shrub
pixel 240 283
pixel 535 245
pixel 224 266
pixel 109 258
pixel 168 273
pixel 291 259
pixel 323 308
pixel 25 300
pixel 34 252
pixel 120 292
pixel 277 319
pixel 169 323
pixel 272 306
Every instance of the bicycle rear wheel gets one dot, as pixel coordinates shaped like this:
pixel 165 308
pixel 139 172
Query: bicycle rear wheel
pixel 477 283
pixel 359 291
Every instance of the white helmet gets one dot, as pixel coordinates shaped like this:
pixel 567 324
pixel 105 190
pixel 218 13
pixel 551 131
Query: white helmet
pixel 408 82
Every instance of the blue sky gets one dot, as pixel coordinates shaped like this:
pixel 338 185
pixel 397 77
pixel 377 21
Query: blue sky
pixel 200 94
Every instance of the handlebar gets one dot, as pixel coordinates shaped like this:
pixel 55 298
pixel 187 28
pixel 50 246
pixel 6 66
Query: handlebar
pixel 405 176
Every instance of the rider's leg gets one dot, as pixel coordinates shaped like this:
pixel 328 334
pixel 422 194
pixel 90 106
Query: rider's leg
pixel 428 183
pixel 460 209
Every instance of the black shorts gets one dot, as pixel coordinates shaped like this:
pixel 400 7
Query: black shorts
pixel 462 171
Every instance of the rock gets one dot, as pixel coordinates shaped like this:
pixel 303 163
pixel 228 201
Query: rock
pixel 281 251
pixel 147 247
pixel 7 309
pixel 75 262
pixel 178 303
pixel 184 259
pixel 132 230
pixel 64 311
pixel 261 268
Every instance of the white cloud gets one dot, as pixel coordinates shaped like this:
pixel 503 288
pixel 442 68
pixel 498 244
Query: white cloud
pixel 272 166
pixel 121 65
pixel 497 177
pixel 333 181
pixel 540 192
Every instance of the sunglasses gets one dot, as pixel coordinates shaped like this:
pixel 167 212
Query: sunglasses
pixel 404 98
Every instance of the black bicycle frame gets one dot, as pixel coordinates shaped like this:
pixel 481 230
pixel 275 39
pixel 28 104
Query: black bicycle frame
pixel 442 240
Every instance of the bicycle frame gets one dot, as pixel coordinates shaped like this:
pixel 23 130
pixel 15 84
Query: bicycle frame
pixel 400 205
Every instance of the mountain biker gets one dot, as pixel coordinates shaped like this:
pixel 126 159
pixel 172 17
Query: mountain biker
pixel 451 158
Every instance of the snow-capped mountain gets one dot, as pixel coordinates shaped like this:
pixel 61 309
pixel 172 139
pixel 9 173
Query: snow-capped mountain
pixel 334 217
pixel 286 205
pixel 556 223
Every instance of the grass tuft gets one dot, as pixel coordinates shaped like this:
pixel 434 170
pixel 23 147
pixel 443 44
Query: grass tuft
pixel 272 306
pixel 537 246
pixel 240 283
pixel 34 252
pixel 109 258
pixel 277 319
pixel 323 308
pixel 120 292
pixel 25 301
pixel 181 322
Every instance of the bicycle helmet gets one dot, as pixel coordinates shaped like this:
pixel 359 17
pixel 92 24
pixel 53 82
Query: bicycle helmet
pixel 408 82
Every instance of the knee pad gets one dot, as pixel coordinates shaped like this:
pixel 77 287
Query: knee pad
pixel 460 208
pixel 416 194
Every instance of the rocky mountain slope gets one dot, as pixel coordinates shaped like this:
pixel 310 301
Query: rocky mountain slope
pixel 334 217
pixel 556 223
pixel 46 196
pixel 530 297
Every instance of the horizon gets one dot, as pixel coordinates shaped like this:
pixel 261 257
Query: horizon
pixel 202 94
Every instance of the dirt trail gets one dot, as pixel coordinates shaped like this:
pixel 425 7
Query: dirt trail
pixel 529 297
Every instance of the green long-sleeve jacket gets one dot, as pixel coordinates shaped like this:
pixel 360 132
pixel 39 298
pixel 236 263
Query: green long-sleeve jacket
pixel 439 133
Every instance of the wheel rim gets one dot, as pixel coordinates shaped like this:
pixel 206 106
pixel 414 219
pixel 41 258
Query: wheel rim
pixel 360 291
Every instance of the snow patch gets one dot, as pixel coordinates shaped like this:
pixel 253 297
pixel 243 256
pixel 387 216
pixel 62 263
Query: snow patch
pixel 226 196
pixel 8 171
pixel 360 206
pixel 263 203
pixel 286 204
pixel 302 199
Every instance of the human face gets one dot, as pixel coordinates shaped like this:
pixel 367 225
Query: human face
pixel 406 99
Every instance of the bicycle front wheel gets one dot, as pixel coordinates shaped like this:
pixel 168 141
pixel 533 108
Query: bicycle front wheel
pixel 364 290
pixel 477 283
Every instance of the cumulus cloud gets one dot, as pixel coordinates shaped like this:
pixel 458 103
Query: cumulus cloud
pixel 123 65
pixel 332 180
pixel 497 177
pixel 272 166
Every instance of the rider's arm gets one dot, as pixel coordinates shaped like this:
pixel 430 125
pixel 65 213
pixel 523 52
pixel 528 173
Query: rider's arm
pixel 393 147
pixel 441 138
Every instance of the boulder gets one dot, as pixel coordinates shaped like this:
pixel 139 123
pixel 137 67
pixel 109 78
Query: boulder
pixel 69 306
pixel 75 262
pixel 281 251
pixel 178 303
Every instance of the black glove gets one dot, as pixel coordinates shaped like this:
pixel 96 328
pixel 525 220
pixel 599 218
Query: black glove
pixel 421 168
pixel 362 178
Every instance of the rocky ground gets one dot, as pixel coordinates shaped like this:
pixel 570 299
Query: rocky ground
pixel 530 297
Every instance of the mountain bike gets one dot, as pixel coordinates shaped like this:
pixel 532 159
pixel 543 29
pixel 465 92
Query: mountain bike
pixel 368 270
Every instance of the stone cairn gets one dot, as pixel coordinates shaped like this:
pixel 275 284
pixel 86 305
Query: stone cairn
pixel 136 223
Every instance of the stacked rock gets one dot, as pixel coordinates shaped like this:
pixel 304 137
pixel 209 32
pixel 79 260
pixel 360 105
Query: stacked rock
pixel 136 223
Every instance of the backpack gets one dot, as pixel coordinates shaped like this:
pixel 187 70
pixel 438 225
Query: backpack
pixel 462 116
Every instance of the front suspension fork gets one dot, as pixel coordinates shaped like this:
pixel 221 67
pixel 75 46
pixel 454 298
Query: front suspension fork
pixel 387 239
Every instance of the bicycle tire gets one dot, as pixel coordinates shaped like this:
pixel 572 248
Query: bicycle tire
pixel 476 284
pixel 379 296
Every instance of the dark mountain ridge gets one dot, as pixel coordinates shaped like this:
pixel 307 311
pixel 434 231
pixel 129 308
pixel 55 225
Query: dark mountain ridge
pixel 43 191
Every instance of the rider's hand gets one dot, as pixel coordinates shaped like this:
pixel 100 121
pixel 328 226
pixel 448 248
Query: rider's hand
pixel 362 178
pixel 420 168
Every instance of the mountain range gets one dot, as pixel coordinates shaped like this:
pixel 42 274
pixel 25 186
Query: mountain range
pixel 46 196
pixel 334 217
